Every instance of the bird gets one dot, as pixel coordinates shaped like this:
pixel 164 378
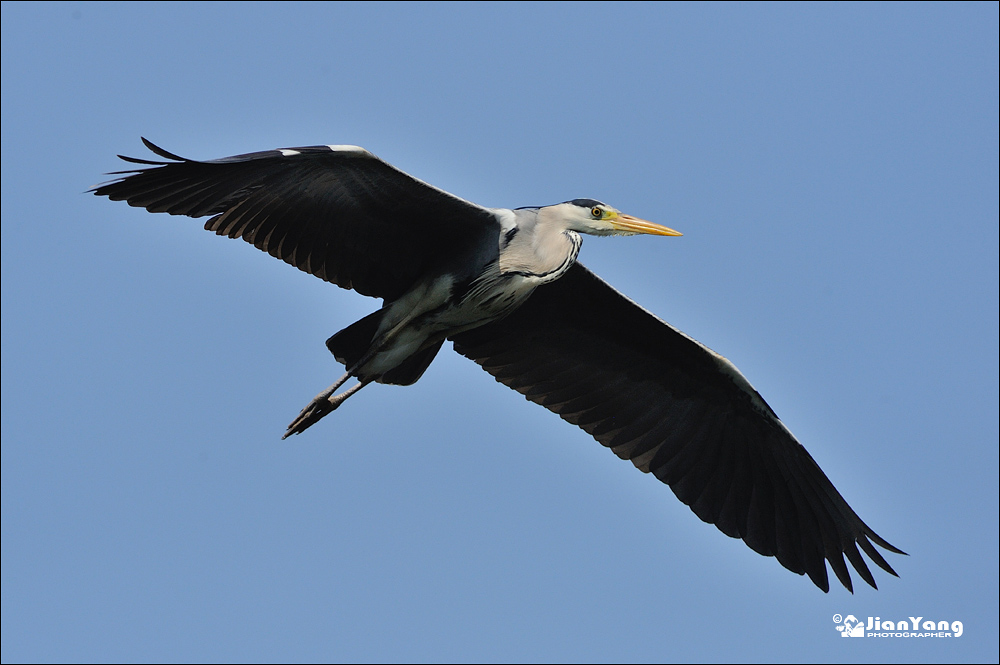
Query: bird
pixel 505 287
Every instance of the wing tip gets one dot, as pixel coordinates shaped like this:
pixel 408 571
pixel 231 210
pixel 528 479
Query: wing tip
pixel 157 150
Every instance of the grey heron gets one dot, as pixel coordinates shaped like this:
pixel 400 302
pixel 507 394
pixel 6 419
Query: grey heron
pixel 505 287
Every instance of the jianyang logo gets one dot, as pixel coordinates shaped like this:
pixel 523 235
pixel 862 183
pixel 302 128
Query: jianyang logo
pixel 851 626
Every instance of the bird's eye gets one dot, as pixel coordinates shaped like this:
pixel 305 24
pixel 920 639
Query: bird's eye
pixel 596 212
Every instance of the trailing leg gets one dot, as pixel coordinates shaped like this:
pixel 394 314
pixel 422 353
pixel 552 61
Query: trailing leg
pixel 321 405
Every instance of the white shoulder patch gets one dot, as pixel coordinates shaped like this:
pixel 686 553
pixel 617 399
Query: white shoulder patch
pixel 288 152
pixel 347 148
pixel 506 217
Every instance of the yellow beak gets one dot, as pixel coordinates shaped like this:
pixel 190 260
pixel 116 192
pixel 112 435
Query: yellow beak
pixel 630 224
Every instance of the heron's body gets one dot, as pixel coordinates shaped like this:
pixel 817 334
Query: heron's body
pixel 505 287
pixel 529 249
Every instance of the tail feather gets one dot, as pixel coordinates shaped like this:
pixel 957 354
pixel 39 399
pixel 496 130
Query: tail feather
pixel 351 344
pixel 411 369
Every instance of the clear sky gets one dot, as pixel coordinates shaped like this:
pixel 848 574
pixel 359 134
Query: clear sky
pixel 834 171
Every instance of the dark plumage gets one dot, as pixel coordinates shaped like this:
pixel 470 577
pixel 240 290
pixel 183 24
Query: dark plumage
pixel 316 210
pixel 505 287
pixel 658 398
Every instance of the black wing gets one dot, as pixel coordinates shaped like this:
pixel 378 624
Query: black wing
pixel 337 212
pixel 680 411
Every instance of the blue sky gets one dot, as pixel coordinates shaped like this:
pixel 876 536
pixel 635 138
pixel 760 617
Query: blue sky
pixel 834 169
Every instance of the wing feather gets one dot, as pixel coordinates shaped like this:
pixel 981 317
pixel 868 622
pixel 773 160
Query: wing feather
pixel 337 212
pixel 681 412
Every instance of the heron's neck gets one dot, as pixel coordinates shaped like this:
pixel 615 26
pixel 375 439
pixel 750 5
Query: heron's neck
pixel 541 247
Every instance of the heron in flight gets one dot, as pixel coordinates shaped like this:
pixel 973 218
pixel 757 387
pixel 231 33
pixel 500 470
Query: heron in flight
pixel 505 287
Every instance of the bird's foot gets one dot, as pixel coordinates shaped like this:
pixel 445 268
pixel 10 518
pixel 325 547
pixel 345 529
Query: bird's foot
pixel 324 403
pixel 314 411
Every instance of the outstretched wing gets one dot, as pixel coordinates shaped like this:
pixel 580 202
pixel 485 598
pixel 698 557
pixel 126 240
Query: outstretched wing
pixel 679 411
pixel 337 212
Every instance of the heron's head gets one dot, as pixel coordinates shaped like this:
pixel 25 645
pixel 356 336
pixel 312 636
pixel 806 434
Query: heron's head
pixel 599 219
